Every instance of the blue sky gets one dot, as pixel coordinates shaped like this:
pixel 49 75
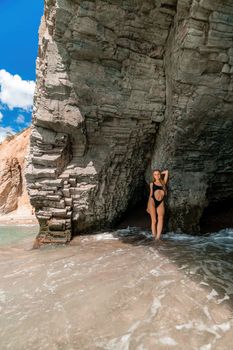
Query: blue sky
pixel 19 24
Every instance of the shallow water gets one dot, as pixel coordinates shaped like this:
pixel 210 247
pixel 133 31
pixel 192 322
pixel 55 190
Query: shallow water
pixel 117 290
pixel 13 234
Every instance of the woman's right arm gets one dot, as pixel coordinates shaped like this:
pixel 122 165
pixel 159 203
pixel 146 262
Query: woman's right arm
pixel 151 188
pixel 165 173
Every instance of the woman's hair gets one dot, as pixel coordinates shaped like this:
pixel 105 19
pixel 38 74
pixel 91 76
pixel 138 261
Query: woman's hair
pixel 161 180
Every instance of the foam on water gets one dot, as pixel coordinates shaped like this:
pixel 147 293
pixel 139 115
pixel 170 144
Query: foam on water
pixel 117 289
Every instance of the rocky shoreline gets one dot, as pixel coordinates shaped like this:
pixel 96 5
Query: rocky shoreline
pixel 214 219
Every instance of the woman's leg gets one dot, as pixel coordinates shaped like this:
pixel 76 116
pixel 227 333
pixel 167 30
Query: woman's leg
pixel 148 206
pixel 152 212
pixel 160 212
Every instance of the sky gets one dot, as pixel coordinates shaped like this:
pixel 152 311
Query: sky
pixel 19 25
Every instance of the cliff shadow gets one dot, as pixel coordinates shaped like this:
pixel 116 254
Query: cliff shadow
pixel 217 216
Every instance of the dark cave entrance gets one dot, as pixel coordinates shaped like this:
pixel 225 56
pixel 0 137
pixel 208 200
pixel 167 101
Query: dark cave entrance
pixel 217 216
pixel 136 215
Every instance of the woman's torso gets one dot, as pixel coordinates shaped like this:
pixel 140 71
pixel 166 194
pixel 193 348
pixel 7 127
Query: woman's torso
pixel 156 186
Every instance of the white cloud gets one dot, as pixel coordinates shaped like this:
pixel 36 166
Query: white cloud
pixel 1 116
pixel 15 92
pixel 20 119
pixel 4 131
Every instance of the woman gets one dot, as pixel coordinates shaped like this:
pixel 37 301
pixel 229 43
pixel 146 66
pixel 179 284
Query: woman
pixel 155 205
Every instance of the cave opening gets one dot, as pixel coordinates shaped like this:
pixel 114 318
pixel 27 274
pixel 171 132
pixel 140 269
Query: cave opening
pixel 217 216
pixel 136 215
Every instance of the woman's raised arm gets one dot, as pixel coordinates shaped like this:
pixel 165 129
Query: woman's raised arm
pixel 165 173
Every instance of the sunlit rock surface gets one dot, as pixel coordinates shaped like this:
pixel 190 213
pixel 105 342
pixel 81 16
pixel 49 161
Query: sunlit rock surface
pixel 14 199
pixel 123 87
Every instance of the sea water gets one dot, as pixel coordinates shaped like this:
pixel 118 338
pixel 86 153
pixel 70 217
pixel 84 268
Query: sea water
pixel 117 290
pixel 13 234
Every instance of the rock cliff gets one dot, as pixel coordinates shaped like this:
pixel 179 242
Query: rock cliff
pixel 123 87
pixel 14 199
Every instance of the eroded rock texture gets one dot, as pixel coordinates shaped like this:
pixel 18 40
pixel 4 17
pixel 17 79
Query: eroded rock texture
pixel 13 192
pixel 10 185
pixel 123 87
pixel 195 141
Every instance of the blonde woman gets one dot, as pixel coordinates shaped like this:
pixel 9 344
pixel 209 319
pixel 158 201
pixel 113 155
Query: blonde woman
pixel 155 205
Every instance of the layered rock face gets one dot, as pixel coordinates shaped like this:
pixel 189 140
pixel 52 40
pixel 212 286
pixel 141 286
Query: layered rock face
pixel 195 141
pixel 123 87
pixel 10 185
pixel 13 192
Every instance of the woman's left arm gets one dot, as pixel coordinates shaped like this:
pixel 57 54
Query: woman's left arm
pixel 165 172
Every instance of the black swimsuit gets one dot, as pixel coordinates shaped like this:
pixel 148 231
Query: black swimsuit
pixel 157 187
